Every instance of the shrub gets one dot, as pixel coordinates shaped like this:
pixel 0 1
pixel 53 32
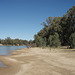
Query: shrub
pixel 54 40
pixel 40 41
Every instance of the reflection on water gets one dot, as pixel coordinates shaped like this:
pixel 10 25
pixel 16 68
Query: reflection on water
pixel 1 65
pixel 5 50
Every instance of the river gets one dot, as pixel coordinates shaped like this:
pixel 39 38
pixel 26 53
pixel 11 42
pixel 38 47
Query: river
pixel 5 50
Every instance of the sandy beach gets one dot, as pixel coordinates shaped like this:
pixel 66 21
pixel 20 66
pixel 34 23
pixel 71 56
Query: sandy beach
pixel 38 61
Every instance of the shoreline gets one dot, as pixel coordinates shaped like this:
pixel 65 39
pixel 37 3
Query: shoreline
pixel 12 53
pixel 10 62
pixel 7 50
pixel 38 61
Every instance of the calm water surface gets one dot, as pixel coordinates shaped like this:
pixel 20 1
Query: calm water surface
pixel 5 50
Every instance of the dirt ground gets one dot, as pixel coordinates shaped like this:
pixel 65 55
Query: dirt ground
pixel 38 61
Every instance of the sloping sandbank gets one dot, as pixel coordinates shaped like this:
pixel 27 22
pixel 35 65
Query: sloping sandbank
pixel 38 61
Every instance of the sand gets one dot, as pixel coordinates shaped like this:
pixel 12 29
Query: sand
pixel 38 61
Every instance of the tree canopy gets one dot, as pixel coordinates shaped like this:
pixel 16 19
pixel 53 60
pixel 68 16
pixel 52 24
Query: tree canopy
pixel 57 30
pixel 9 41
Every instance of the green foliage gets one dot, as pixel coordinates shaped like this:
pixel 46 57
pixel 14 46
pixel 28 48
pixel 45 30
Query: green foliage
pixel 68 25
pixel 72 40
pixel 9 41
pixel 57 30
pixel 55 26
pixel 40 41
pixel 54 40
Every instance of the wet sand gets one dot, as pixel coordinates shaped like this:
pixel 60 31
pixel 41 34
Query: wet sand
pixel 38 61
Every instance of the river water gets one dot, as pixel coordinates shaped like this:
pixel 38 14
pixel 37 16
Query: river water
pixel 5 50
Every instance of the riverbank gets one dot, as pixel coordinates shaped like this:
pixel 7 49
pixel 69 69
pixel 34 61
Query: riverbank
pixel 5 50
pixel 38 61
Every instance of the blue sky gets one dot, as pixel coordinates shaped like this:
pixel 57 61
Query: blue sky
pixel 22 18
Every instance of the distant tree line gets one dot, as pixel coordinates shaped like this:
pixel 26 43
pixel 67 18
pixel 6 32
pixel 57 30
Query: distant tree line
pixel 9 41
pixel 57 31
